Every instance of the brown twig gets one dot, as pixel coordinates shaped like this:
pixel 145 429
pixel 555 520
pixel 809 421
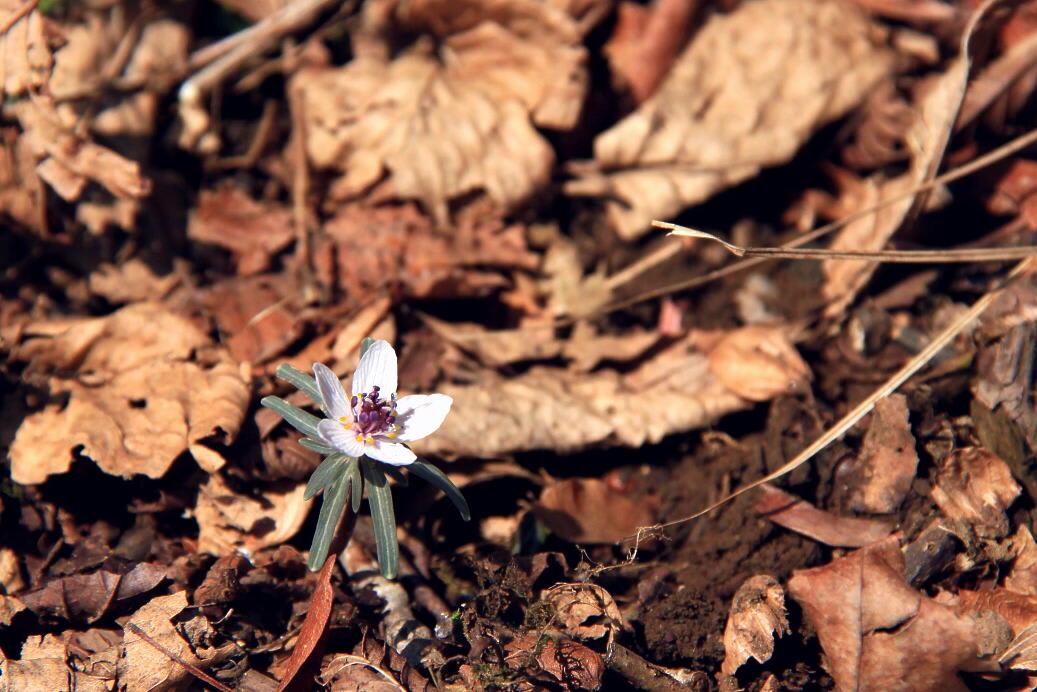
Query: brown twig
pixel 18 15
pixel 193 670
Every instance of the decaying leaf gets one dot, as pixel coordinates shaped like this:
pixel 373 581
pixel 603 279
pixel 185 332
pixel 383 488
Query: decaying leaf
pixel 135 399
pixel 1022 575
pixel 589 510
pixel 130 282
pixel 877 632
pixel 454 113
pixel 748 91
pixel 974 487
pixel 228 520
pixel 27 58
pixel 885 467
pixel 47 663
pixel 757 617
pixel 585 611
pixel 802 517
pixel 565 661
pixel 758 363
pixel 85 598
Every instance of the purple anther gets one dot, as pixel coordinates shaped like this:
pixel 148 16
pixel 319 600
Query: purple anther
pixel 390 419
pixel 352 402
pixel 364 418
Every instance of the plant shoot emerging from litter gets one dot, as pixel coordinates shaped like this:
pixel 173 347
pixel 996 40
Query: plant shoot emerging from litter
pixel 362 439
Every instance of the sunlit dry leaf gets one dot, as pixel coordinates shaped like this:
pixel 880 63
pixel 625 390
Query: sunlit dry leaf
pixel 645 42
pixel 802 517
pixel 757 617
pixel 552 408
pixel 880 634
pixel 885 467
pixel 130 282
pixel 585 611
pixel 1022 575
pixel 589 510
pixel 44 665
pixel 21 192
pixel 229 520
pixel 495 348
pixel 454 113
pixel 569 292
pixel 1021 654
pixel 975 487
pixel 142 667
pixel 748 91
pixel 27 60
pixel 9 607
pixel 254 231
pixel 758 363
pixel 11 580
pixel 135 400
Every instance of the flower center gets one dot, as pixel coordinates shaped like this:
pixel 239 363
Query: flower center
pixel 372 416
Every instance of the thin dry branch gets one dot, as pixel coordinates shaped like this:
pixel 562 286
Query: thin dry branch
pixel 943 256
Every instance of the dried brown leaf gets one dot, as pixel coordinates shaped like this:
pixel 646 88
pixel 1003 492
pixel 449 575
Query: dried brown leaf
pixel 757 617
pixel 758 363
pixel 589 510
pixel 974 487
pixel 585 611
pixel 877 632
pixel 455 112
pixel 254 231
pixel 228 521
pixel 142 667
pixel 564 660
pixel 44 665
pixel 1022 575
pixel 87 597
pixel 802 517
pixel 27 59
pixel 885 467
pixel 135 400
pixel 748 91
pixel 130 282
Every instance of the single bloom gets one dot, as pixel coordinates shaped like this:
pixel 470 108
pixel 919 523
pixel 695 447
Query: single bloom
pixel 373 422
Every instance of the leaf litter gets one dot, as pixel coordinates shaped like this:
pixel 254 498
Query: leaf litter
pixel 474 183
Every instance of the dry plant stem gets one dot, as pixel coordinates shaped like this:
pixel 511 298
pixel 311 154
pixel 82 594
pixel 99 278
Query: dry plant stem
pixel 17 15
pixel 987 159
pixel 193 670
pixel 255 147
pixel 996 254
pixel 862 409
pixel 648 676
pixel 996 78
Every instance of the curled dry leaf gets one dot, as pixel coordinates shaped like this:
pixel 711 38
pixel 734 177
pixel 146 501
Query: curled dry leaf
pixel 802 517
pixel 1022 575
pixel 552 408
pixel 974 487
pixel 228 521
pixel 585 611
pixel 44 664
pixel 758 363
pixel 85 598
pixel 729 108
pixel 454 113
pixel 877 632
pixel 885 467
pixel 757 617
pixel 135 399
pixel 569 663
pixel 589 510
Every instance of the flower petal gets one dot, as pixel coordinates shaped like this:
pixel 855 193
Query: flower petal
pixel 331 391
pixel 390 453
pixel 332 432
pixel 376 368
pixel 420 415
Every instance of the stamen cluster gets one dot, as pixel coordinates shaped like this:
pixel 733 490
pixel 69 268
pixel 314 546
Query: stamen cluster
pixel 372 416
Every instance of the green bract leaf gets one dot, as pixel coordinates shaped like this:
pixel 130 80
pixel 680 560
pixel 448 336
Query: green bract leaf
pixel 304 422
pixel 396 472
pixel 318 446
pixel 379 496
pixel 327 521
pixel 434 476
pixel 300 380
pixel 328 471
pixel 367 343
pixel 357 480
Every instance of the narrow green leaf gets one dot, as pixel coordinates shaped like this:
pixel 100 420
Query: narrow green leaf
pixel 300 380
pixel 318 446
pixel 396 473
pixel 367 343
pixel 357 481
pixel 432 475
pixel 304 422
pixel 328 471
pixel 379 496
pixel 327 522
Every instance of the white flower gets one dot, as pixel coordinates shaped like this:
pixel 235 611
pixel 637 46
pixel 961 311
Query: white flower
pixel 373 421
